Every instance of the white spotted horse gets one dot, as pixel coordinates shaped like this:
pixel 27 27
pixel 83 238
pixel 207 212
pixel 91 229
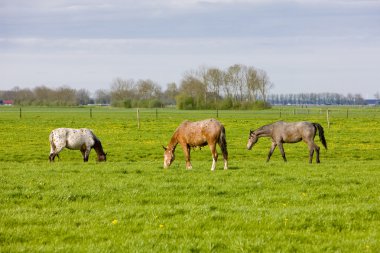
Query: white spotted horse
pixel 76 139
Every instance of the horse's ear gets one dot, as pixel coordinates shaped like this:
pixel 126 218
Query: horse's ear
pixel 250 131
pixel 164 147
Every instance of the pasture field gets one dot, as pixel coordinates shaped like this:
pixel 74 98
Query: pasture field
pixel 131 204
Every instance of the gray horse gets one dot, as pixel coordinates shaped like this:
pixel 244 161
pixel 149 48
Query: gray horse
pixel 283 132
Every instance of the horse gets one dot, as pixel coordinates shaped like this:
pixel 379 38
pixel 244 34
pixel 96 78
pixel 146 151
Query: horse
pixel 197 134
pixel 77 139
pixel 283 132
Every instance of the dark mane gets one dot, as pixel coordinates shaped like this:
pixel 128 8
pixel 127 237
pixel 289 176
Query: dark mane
pixel 97 145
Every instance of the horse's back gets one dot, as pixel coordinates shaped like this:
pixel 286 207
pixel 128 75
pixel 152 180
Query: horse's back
pixel 202 125
pixel 293 126
pixel 62 132
pixel 58 134
pixel 72 138
pixel 293 131
pixel 199 132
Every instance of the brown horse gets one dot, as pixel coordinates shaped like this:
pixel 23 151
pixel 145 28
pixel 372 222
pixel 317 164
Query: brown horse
pixel 283 132
pixel 197 134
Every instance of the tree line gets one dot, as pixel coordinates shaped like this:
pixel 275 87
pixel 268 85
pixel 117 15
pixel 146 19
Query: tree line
pixel 235 87
pixel 45 96
pixel 238 86
pixel 316 99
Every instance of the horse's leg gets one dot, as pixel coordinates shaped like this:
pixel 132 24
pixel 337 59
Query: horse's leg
pixel 54 152
pixel 282 151
pixel 214 155
pixel 274 145
pixel 51 157
pixel 311 152
pixel 85 152
pixel 186 151
pixel 317 151
pixel 225 158
pixel 223 146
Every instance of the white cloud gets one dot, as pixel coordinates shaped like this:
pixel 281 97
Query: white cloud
pixel 86 42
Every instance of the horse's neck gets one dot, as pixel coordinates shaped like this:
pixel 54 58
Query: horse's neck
pixel 265 131
pixel 98 147
pixel 173 142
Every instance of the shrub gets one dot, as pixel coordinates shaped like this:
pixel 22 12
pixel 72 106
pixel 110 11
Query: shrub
pixel 185 103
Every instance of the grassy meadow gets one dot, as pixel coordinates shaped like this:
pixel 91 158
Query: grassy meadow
pixel 131 204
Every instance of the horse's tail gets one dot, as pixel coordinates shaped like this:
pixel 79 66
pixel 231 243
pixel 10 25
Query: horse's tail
pixel 53 148
pixel 223 142
pixel 52 144
pixel 321 134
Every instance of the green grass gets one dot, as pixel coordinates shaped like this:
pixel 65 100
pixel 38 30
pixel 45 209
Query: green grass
pixel 131 204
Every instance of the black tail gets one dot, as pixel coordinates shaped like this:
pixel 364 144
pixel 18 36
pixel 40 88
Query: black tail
pixel 321 134
pixel 223 142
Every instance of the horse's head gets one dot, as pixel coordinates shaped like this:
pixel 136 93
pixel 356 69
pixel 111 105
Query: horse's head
pixel 252 139
pixel 168 157
pixel 102 157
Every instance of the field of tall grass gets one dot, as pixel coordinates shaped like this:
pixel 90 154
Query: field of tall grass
pixel 131 204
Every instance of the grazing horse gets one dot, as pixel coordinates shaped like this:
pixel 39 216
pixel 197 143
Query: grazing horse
pixel 282 132
pixel 197 134
pixel 79 139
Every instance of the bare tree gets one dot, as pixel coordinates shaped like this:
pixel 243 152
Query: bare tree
pixel 23 97
pixel 264 84
pixel 147 89
pixel 43 95
pixel 253 83
pixel 102 97
pixel 65 96
pixel 194 88
pixel 122 89
pixel 215 79
pixel 235 78
pixel 171 92
pixel 83 97
pixel 201 76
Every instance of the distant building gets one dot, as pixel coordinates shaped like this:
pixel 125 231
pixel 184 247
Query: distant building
pixel 372 102
pixel 6 102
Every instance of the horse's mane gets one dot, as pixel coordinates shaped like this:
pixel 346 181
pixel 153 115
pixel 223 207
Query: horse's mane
pixel 174 141
pixel 264 129
pixel 97 144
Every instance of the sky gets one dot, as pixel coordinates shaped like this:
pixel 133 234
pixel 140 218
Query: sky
pixel 303 45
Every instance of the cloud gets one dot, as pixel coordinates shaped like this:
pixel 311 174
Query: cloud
pixel 185 19
pixel 298 42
